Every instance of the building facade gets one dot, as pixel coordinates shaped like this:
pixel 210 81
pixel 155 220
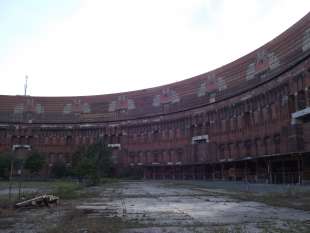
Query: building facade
pixel 248 120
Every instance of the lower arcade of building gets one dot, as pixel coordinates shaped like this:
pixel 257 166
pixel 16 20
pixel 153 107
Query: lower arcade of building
pixel 289 169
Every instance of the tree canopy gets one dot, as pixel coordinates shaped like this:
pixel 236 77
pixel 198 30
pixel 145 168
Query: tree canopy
pixel 4 165
pixel 60 170
pixel 35 162
pixel 93 161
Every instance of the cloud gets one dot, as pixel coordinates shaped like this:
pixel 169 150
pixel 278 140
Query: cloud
pixel 113 46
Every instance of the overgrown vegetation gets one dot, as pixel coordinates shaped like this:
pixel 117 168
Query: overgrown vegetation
pixel 92 163
pixel 89 164
pixel 4 165
pixel 291 199
pixel 60 170
pixel 70 190
pixel 34 162
pixel 77 221
pixel 65 189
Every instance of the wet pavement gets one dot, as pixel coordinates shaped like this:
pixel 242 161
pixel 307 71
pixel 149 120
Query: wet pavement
pixel 167 207
pixel 164 207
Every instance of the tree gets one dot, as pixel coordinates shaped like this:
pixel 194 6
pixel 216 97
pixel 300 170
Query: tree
pixel 92 162
pixel 35 162
pixel 4 165
pixel 8 159
pixel 60 170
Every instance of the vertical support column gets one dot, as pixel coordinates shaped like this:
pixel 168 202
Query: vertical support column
pixel 163 173
pixel 222 171
pixel 153 173
pixel 173 172
pixel 301 170
pixel 197 172
pixel 283 172
pixel 204 169
pixel 144 173
pixel 298 170
pixel 269 172
pixel 306 97
pixel 246 171
pixel 193 172
pixel 296 101
pixel 256 171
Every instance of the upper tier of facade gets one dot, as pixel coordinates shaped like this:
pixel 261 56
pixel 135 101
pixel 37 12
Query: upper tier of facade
pixel 239 79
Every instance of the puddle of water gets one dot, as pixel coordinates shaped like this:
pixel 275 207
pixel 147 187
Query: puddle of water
pixel 151 203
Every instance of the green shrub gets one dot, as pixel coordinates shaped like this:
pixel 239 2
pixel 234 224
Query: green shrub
pixel 35 162
pixel 67 190
pixel 4 165
pixel 60 170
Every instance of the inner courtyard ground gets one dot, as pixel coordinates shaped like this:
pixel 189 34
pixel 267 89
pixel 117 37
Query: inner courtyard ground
pixel 171 206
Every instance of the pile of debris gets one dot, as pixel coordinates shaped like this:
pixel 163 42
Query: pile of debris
pixel 38 201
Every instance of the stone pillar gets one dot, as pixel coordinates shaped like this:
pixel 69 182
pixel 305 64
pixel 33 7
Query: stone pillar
pixel 300 170
pixel 182 173
pixel 222 171
pixel 193 172
pixel 153 173
pixel 204 172
pixel 283 172
pixel 144 173
pixel 246 171
pixel 269 172
pixel 307 97
pixel 173 172
pixel 256 171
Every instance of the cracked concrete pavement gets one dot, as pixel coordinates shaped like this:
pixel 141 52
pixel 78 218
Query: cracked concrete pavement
pixel 161 205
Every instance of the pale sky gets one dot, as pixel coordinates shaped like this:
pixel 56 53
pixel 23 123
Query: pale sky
pixel 72 47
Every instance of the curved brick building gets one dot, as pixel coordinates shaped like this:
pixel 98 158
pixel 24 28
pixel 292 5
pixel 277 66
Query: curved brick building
pixel 247 120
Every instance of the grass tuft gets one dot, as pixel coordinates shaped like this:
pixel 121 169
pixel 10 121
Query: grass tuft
pixel 66 190
pixel 77 221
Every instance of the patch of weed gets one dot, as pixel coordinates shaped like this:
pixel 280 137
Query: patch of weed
pixel 77 221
